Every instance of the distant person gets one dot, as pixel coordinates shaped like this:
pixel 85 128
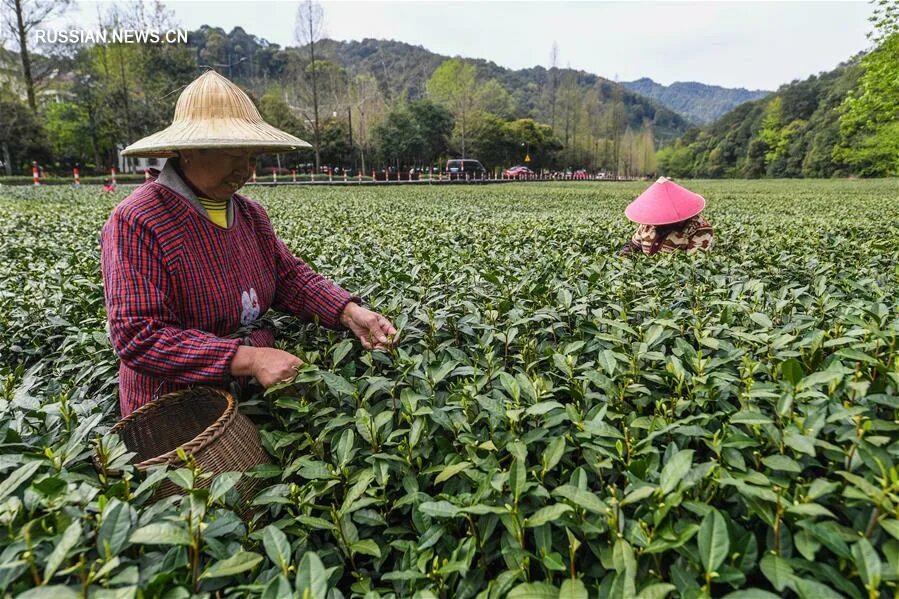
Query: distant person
pixel 669 219
pixel 108 186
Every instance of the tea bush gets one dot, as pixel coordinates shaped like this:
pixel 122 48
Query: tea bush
pixel 557 421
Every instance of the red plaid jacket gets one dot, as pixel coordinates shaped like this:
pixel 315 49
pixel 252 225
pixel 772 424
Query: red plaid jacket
pixel 175 284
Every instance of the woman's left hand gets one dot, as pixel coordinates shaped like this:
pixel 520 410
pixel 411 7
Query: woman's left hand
pixel 373 330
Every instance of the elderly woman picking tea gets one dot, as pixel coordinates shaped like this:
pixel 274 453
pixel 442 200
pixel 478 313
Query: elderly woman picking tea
pixel 668 219
pixel 190 266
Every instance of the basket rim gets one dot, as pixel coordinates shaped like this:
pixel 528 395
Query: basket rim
pixel 205 438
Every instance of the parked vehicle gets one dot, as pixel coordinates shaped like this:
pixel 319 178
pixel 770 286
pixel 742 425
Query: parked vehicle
pixel 518 172
pixel 581 174
pixel 459 168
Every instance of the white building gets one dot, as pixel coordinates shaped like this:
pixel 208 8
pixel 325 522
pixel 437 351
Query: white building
pixel 134 164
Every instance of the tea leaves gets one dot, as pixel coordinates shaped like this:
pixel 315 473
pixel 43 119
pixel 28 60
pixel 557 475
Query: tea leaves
pixel 556 421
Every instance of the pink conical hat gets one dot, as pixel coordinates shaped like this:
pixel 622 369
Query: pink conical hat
pixel 665 202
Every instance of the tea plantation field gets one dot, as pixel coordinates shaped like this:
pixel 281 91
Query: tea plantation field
pixel 557 421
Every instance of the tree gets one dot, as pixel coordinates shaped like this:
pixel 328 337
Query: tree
pixel 129 90
pixel 754 164
pixel 435 125
pixel 20 17
pixel 336 148
pixel 770 133
pixel 648 149
pixel 675 161
pixel 333 83
pixel 492 97
pixel 528 133
pixel 570 100
pixel 369 104
pixel 277 112
pixel 489 139
pixel 885 19
pixel 616 125
pixel 398 138
pixel 90 103
pixel 310 22
pixel 869 115
pixel 453 85
pixel 68 129
pixel 22 138
pixel 553 82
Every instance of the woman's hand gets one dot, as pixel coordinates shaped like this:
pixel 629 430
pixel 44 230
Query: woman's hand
pixel 268 365
pixel 373 330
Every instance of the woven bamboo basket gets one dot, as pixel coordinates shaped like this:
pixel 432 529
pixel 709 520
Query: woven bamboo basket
pixel 206 424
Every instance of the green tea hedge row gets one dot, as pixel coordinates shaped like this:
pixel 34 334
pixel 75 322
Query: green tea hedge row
pixel 557 421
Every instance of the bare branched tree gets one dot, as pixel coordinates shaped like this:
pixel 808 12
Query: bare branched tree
pixel 553 83
pixel 363 93
pixel 20 17
pixel 309 28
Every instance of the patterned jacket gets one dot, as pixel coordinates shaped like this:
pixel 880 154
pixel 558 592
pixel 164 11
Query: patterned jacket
pixel 692 234
pixel 176 285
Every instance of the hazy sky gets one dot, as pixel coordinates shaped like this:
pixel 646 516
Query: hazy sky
pixel 758 45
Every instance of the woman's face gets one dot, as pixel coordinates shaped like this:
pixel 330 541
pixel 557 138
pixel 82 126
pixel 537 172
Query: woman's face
pixel 218 173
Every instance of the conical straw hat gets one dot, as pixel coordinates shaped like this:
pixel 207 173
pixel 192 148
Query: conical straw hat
pixel 665 202
pixel 212 112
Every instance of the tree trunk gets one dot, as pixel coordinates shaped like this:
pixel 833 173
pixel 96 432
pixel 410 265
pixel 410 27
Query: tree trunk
pixel 26 59
pixel 463 132
pixel 552 101
pixel 362 139
pixel 349 117
pixel 7 161
pixel 125 94
pixel 314 99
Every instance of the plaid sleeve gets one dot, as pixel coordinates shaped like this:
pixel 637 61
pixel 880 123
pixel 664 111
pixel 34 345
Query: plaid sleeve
pixel 145 330
pixel 302 291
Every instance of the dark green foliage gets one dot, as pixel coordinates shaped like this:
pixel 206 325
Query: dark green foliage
pixel 870 113
pixel 557 421
pixel 277 113
pixel 335 143
pixel 791 133
pixel 22 138
pixel 845 122
pixel 398 138
pixel 435 124
pixel 250 57
pixel 413 134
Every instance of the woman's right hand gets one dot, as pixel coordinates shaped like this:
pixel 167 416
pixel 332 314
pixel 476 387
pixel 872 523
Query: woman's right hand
pixel 268 365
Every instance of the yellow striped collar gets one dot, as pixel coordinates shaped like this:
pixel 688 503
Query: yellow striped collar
pixel 214 204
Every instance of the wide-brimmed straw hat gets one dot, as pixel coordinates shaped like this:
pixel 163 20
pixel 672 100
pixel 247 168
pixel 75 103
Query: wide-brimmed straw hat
pixel 212 112
pixel 665 202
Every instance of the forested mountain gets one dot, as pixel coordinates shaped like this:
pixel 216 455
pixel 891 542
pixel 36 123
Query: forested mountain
pixel 378 103
pixel 791 133
pixel 404 69
pixel 699 103
pixel 838 123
